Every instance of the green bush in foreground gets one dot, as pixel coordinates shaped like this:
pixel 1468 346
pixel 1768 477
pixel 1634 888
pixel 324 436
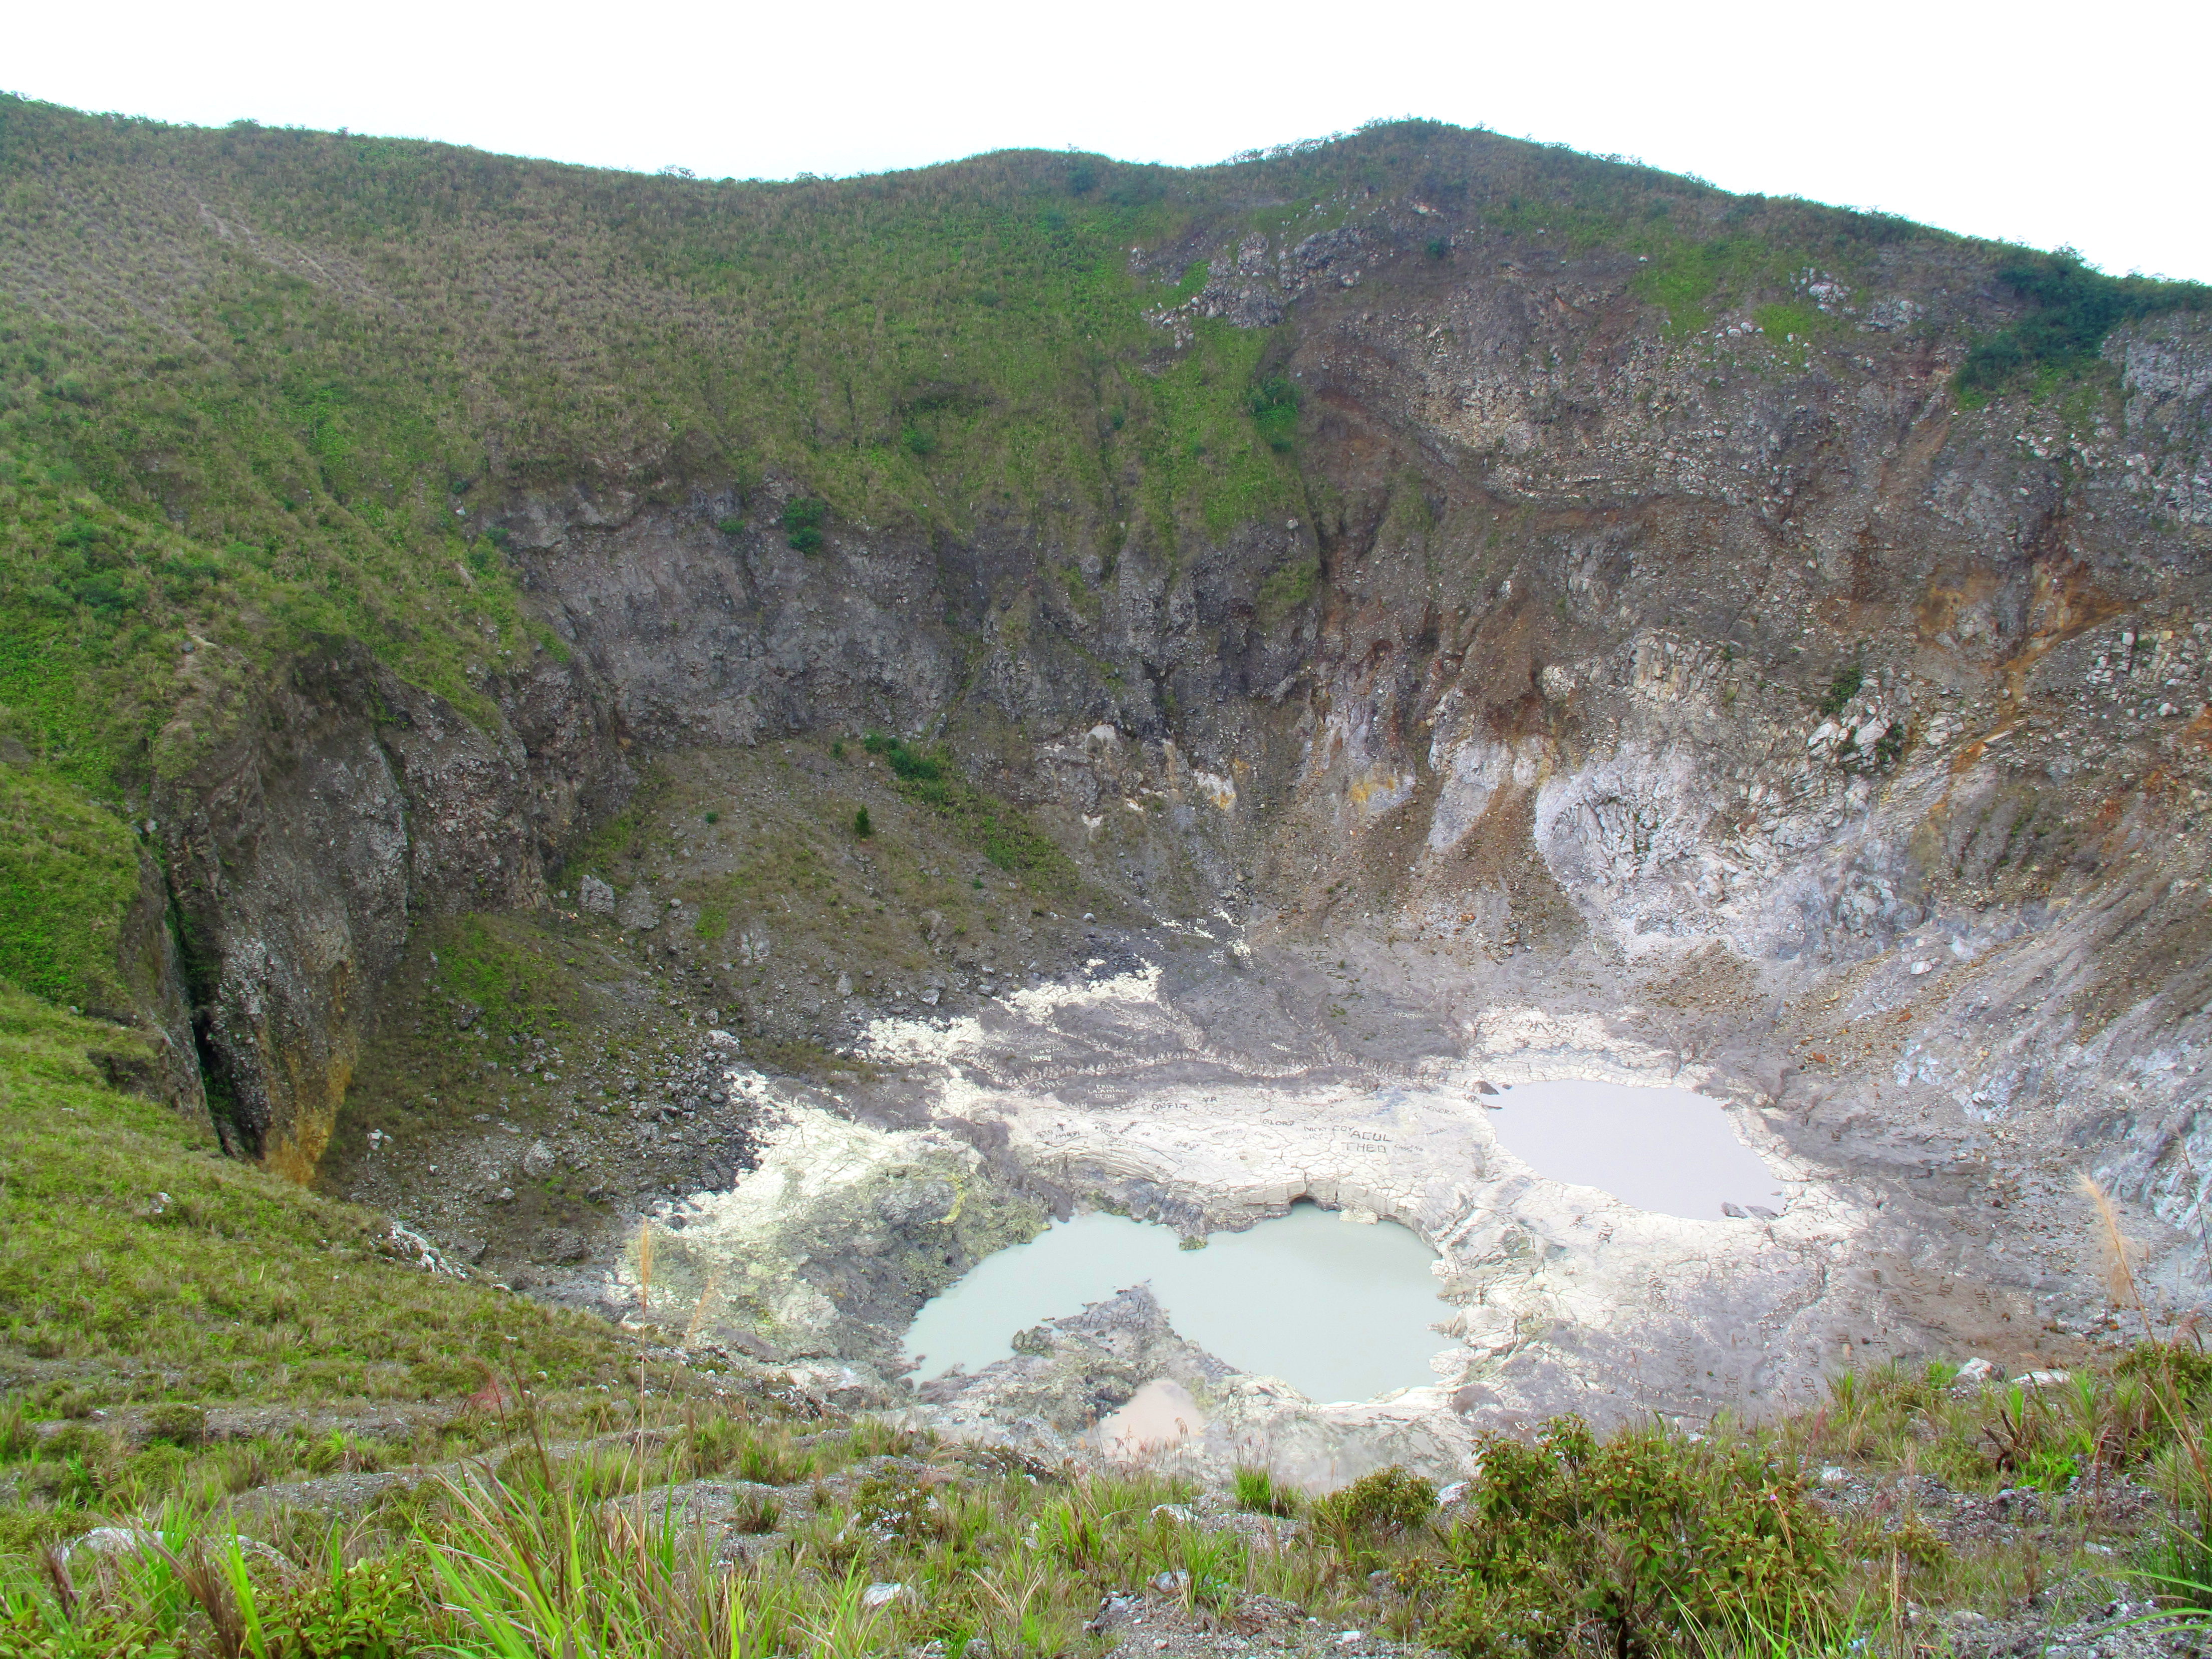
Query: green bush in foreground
pixel 1655 1539
pixel 1383 1504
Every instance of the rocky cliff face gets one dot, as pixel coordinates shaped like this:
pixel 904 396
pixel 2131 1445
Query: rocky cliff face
pixel 303 851
pixel 1715 673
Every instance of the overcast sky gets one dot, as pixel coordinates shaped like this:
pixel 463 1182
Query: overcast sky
pixel 2078 125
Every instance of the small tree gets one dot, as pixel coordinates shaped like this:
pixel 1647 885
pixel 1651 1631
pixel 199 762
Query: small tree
pixel 1273 404
pixel 862 827
pixel 802 522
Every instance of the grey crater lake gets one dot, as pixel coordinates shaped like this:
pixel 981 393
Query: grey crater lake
pixel 1339 1309
pixel 1669 1152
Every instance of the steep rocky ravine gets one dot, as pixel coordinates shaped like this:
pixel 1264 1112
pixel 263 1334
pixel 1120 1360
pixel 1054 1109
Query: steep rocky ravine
pixel 1638 692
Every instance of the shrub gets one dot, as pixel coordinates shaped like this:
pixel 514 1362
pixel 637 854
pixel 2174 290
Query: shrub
pixel 756 1512
pixel 907 763
pixel 772 1460
pixel 862 827
pixel 900 1506
pixel 802 522
pixel 1842 689
pixel 1214 1566
pixel 2072 309
pixel 1273 405
pixel 1074 1530
pixel 74 1480
pixel 1378 1505
pixel 370 1608
pixel 1439 247
pixel 340 1453
pixel 1658 1540
pixel 2184 1371
pixel 1259 1492
pixel 180 1425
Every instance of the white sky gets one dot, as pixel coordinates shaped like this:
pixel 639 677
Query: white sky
pixel 2039 122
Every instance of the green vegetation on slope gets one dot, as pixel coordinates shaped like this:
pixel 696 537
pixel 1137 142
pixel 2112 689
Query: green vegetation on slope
pixel 504 971
pixel 168 525
pixel 256 384
pixel 1005 837
pixel 67 871
pixel 2072 309
pixel 137 1264
pixel 1699 252
pixel 273 393
pixel 1828 1532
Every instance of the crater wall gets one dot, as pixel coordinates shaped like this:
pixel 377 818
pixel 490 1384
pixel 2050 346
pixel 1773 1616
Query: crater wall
pixel 1829 731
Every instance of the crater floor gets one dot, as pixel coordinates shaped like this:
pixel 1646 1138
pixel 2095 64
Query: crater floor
pixel 1206 1088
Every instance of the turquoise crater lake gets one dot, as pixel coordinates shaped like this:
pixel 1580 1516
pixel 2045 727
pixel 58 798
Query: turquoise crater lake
pixel 1339 1309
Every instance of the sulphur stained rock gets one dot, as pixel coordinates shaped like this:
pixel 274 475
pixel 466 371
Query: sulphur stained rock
pixel 831 1243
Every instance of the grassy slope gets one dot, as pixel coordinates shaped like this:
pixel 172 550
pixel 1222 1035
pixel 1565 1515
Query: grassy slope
pixel 1821 1533
pixel 236 1285
pixel 67 870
